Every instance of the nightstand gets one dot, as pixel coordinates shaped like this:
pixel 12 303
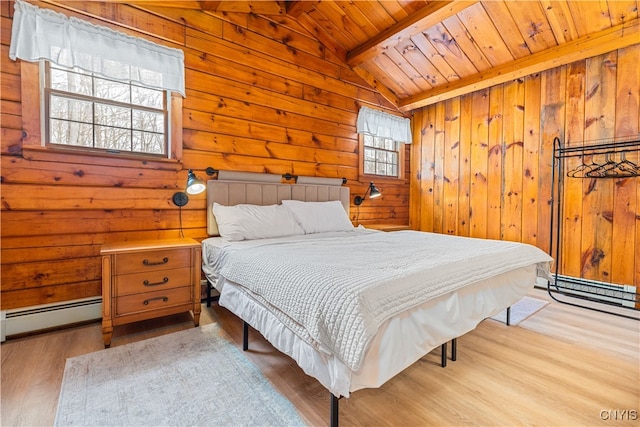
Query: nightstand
pixel 388 227
pixel 148 279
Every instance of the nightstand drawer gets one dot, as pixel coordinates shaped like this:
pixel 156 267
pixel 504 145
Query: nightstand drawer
pixel 151 301
pixel 150 281
pixel 152 260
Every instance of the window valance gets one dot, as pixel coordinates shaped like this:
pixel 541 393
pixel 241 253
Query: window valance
pixel 70 42
pixel 384 125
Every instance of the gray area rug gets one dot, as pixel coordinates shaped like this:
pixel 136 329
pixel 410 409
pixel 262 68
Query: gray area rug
pixel 195 377
pixel 521 310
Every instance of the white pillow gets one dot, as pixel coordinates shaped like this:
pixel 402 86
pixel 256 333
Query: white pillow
pixel 248 222
pixel 319 217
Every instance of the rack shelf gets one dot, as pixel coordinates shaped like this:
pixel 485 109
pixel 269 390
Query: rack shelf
pixel 601 159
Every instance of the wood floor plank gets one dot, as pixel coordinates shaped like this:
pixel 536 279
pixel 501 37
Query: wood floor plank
pixel 562 366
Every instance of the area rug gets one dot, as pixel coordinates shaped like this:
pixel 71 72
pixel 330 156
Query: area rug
pixel 195 377
pixel 521 310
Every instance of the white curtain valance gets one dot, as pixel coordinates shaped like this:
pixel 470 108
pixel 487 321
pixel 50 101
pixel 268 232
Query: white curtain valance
pixel 384 125
pixel 70 42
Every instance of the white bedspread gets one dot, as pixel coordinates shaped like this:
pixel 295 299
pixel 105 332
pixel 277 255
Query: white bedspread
pixel 334 292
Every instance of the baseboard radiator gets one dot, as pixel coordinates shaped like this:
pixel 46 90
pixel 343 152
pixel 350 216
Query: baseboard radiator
pixel 613 294
pixel 42 317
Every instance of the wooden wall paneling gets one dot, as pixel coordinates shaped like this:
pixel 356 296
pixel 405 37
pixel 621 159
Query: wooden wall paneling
pixel 531 157
pixel 512 160
pixel 46 294
pixel 464 180
pixel 267 64
pixel 121 17
pixel 478 204
pixel 597 224
pixel 415 159
pixel 572 202
pixel 494 171
pixel 625 209
pixel 439 170
pixel 427 171
pixel 451 169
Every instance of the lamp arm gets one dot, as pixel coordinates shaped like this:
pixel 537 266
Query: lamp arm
pixel 358 200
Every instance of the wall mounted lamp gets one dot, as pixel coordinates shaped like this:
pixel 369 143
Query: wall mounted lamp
pixel 194 186
pixel 372 191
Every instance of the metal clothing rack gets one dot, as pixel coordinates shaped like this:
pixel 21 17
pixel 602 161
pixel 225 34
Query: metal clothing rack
pixel 602 159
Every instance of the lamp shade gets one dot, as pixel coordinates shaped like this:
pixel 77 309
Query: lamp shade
pixel 373 191
pixel 194 184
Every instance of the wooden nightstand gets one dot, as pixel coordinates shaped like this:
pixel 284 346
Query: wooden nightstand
pixel 144 280
pixel 388 227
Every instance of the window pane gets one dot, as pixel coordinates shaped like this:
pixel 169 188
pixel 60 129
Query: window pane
pixel 146 97
pixel 70 133
pixel 368 140
pixel 112 138
pixel 369 154
pixel 112 115
pixel 149 121
pixel 147 142
pixel 71 109
pixel 369 167
pixel 381 169
pixel 113 91
pixel 70 82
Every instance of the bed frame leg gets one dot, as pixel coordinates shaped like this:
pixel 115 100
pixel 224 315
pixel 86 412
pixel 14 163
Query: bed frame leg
pixel 245 336
pixel 509 316
pixel 334 410
pixel 443 360
pixel 454 349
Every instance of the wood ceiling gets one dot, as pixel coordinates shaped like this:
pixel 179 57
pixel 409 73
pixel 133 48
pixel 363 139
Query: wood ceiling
pixel 420 52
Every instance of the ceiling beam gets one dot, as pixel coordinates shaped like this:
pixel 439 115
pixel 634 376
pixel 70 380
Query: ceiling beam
pixel 209 5
pixel 595 44
pixel 378 87
pixel 296 8
pixel 430 15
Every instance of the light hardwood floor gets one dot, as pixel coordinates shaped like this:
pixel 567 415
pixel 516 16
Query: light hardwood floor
pixel 563 366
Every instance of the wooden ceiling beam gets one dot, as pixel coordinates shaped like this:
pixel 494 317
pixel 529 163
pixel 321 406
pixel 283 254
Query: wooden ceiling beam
pixel 594 44
pixel 430 15
pixel 296 8
pixel 379 87
pixel 209 5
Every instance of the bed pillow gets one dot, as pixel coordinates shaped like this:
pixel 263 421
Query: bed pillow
pixel 248 222
pixel 319 217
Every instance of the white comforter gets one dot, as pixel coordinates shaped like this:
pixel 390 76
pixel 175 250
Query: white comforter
pixel 334 292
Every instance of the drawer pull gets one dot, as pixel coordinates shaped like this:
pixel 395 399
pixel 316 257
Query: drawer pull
pixel 147 301
pixel 164 261
pixel 147 283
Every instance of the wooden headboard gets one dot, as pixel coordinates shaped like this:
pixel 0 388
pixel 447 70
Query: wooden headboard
pixel 231 193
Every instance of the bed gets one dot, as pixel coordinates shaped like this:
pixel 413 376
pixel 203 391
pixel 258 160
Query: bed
pixel 350 315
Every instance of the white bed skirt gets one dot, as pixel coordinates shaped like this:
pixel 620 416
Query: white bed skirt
pixel 401 340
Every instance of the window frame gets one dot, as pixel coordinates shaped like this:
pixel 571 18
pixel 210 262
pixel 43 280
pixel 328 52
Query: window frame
pixel 48 92
pixel 366 177
pixel 33 141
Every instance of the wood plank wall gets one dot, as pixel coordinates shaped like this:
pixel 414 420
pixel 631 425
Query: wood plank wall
pixel 262 96
pixel 482 164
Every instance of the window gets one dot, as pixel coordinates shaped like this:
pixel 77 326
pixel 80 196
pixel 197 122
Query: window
pixel 101 90
pixel 382 139
pixel 381 156
pixel 87 111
